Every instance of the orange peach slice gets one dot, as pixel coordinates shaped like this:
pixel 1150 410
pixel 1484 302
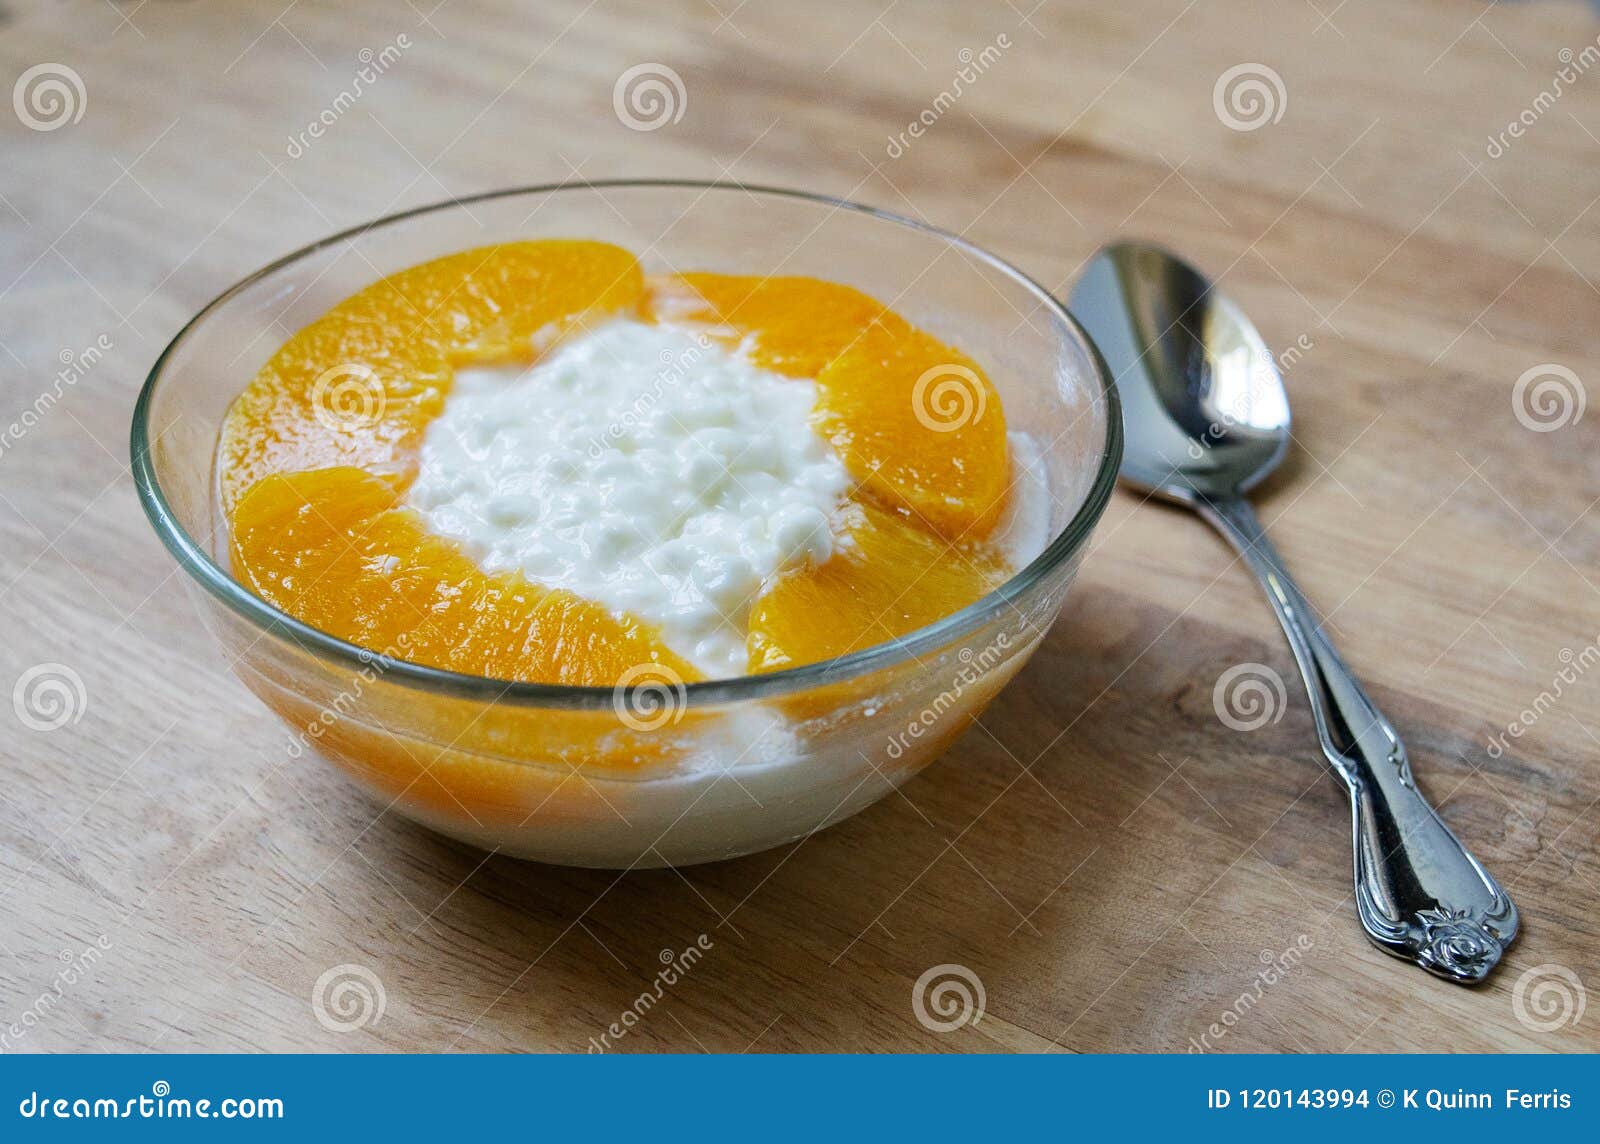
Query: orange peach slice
pixel 359 385
pixel 887 578
pixel 332 548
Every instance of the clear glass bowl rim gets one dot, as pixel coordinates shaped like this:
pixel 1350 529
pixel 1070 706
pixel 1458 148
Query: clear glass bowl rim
pixel 194 559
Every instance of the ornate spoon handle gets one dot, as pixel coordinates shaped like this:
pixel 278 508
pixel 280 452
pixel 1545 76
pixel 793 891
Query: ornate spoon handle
pixel 1420 894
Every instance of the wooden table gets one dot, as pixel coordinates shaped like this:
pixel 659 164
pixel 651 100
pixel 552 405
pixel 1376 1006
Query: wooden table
pixel 1113 863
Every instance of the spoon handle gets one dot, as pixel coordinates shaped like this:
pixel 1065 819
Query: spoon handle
pixel 1419 893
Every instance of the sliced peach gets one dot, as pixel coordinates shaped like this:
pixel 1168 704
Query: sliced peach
pixel 359 385
pixel 920 426
pixel 887 578
pixel 915 420
pixel 331 547
pixel 792 326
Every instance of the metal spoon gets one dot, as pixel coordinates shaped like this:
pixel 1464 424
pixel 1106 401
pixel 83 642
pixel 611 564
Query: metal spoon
pixel 1206 417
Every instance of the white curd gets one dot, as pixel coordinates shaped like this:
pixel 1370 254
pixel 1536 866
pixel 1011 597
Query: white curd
pixel 643 467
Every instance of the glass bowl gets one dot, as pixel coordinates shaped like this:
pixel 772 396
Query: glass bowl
pixel 657 772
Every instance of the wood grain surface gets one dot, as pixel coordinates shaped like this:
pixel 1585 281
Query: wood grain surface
pixel 1112 862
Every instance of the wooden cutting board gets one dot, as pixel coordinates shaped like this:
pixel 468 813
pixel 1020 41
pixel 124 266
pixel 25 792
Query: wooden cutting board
pixel 1115 865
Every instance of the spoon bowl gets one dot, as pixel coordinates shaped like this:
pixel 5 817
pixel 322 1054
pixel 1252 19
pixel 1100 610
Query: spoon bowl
pixel 1195 376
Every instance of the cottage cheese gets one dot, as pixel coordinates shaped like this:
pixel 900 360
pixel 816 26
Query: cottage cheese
pixel 643 467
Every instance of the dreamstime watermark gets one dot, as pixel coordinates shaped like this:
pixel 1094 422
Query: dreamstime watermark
pixel 75 365
pixel 1261 400
pixel 1573 66
pixel 649 96
pixel 1549 997
pixel 373 65
pixel 674 967
pixel 347 998
pixel 949 397
pixel 48 696
pixel 1249 96
pixel 348 398
pixel 973 64
pixel 1548 397
pixel 975 665
pixel 1290 357
pixel 1576 664
pixel 1275 967
pixel 342 704
pixel 1248 696
pixel 649 696
pixel 675 366
pixel 157 1104
pixel 75 966
pixel 49 96
pixel 948 997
